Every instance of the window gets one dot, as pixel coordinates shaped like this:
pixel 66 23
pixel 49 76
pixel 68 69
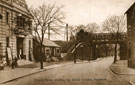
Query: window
pixel 29 24
pixel 58 51
pixel 7 41
pixel 20 21
pixel 47 51
pixel 7 17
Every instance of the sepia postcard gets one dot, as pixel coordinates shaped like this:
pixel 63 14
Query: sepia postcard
pixel 67 42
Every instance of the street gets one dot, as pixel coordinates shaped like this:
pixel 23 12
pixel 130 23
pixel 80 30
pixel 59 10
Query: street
pixel 86 73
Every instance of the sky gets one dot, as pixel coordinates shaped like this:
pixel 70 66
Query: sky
pixel 87 11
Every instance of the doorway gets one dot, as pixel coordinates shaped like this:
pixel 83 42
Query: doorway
pixel 20 48
pixel 30 51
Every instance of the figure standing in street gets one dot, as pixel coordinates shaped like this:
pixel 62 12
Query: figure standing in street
pixel 1 64
pixel 14 63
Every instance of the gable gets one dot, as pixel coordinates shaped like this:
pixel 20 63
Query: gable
pixel 130 8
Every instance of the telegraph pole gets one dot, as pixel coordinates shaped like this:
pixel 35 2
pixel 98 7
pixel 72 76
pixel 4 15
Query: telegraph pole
pixel 67 32
pixel 49 31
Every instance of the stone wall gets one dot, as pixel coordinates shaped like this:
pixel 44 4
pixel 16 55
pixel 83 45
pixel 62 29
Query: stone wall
pixel 7 31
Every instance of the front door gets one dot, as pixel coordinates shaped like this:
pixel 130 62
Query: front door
pixel 30 51
pixel 20 48
pixel 52 52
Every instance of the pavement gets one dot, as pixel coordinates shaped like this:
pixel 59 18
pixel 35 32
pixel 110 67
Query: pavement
pixel 82 73
pixel 121 68
pixel 9 74
pixel 28 68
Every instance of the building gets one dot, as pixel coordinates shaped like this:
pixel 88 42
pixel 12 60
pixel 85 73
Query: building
pixel 15 30
pixel 50 49
pixel 130 13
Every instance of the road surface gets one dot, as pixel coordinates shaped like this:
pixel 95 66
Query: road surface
pixel 90 73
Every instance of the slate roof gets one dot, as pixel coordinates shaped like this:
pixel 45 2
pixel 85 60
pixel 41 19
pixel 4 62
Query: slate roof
pixel 50 43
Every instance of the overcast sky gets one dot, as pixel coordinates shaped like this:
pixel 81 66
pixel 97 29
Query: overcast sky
pixel 87 11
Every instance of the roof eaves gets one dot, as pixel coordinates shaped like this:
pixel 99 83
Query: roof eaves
pixel 129 8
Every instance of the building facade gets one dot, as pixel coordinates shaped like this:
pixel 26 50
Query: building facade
pixel 50 50
pixel 15 30
pixel 130 13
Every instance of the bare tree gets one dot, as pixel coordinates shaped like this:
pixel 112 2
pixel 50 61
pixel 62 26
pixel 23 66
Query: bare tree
pixel 92 27
pixel 71 32
pixel 79 27
pixel 115 25
pixel 45 17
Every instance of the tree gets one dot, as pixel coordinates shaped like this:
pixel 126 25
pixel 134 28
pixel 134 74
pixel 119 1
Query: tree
pixel 83 38
pixel 45 17
pixel 115 25
pixel 92 27
pixel 72 32
pixel 80 36
pixel 78 28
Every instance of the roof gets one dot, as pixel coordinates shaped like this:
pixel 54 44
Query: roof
pixel 50 43
pixel 130 7
pixel 17 5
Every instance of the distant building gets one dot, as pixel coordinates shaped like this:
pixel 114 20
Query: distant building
pixel 131 34
pixel 50 49
pixel 97 41
pixel 15 30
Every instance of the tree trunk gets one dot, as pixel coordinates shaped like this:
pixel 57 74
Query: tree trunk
pixel 90 53
pixel 41 57
pixel 75 54
pixel 49 31
pixel 41 65
pixel 115 53
pixel 82 54
pixel 106 51
pixel 75 58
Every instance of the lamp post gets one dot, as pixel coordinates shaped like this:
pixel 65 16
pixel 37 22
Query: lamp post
pixel 82 51
pixel 107 49
pixel 75 53
pixel 90 47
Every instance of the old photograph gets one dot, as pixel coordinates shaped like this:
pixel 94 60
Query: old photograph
pixel 67 42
